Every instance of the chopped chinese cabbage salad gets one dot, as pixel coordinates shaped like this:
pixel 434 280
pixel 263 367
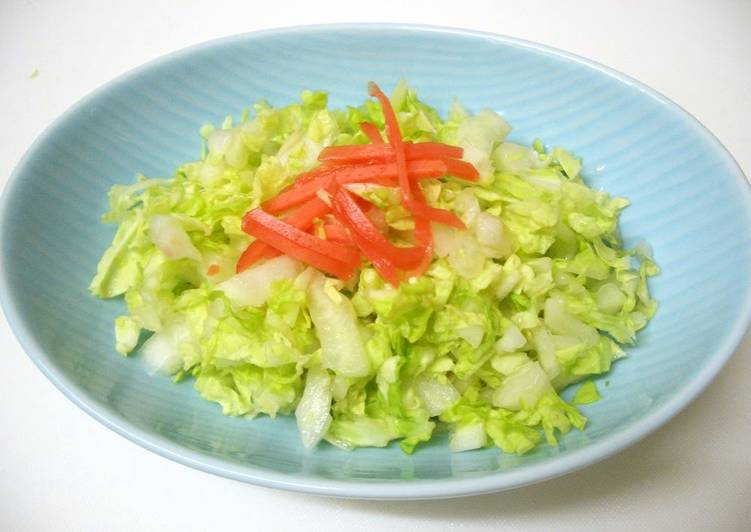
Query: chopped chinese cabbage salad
pixel 380 272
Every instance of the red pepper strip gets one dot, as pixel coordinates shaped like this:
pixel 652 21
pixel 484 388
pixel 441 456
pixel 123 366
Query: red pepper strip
pixel 423 169
pixel 320 171
pixel 461 169
pixel 395 139
pixel 378 180
pixel 347 210
pixel 423 230
pixel 371 131
pixel 296 195
pixel 417 208
pixel 309 176
pixel 341 253
pixel 433 150
pixel 337 233
pixel 423 210
pixel 255 252
pixel 427 257
pixel 382 265
pixel 382 153
pixel 303 246
pixel 302 218
pixel 423 237
pixel 380 173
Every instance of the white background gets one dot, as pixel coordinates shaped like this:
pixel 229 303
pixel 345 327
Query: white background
pixel 61 470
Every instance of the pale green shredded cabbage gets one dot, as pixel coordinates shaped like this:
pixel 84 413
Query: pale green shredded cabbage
pixel 586 393
pixel 536 295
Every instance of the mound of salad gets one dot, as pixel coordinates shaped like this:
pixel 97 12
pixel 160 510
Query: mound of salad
pixel 379 272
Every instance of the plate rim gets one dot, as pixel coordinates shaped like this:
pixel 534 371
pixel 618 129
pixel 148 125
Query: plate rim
pixel 363 489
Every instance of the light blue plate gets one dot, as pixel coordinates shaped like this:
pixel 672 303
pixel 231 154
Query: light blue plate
pixel 691 202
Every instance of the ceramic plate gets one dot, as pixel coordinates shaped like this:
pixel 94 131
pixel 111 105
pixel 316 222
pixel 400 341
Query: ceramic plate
pixel 690 201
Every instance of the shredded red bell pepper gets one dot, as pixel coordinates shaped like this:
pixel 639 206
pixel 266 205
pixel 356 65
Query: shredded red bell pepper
pixel 420 209
pixel 423 210
pixel 302 218
pixel 371 131
pixel 394 134
pixel 337 233
pixel 461 169
pixel 352 226
pixel 383 174
pixel 333 258
pixel 353 217
pixel 423 237
pixel 383 153
pixel 383 266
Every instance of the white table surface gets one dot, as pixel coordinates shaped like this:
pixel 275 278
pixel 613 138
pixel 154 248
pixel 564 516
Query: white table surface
pixel 61 470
